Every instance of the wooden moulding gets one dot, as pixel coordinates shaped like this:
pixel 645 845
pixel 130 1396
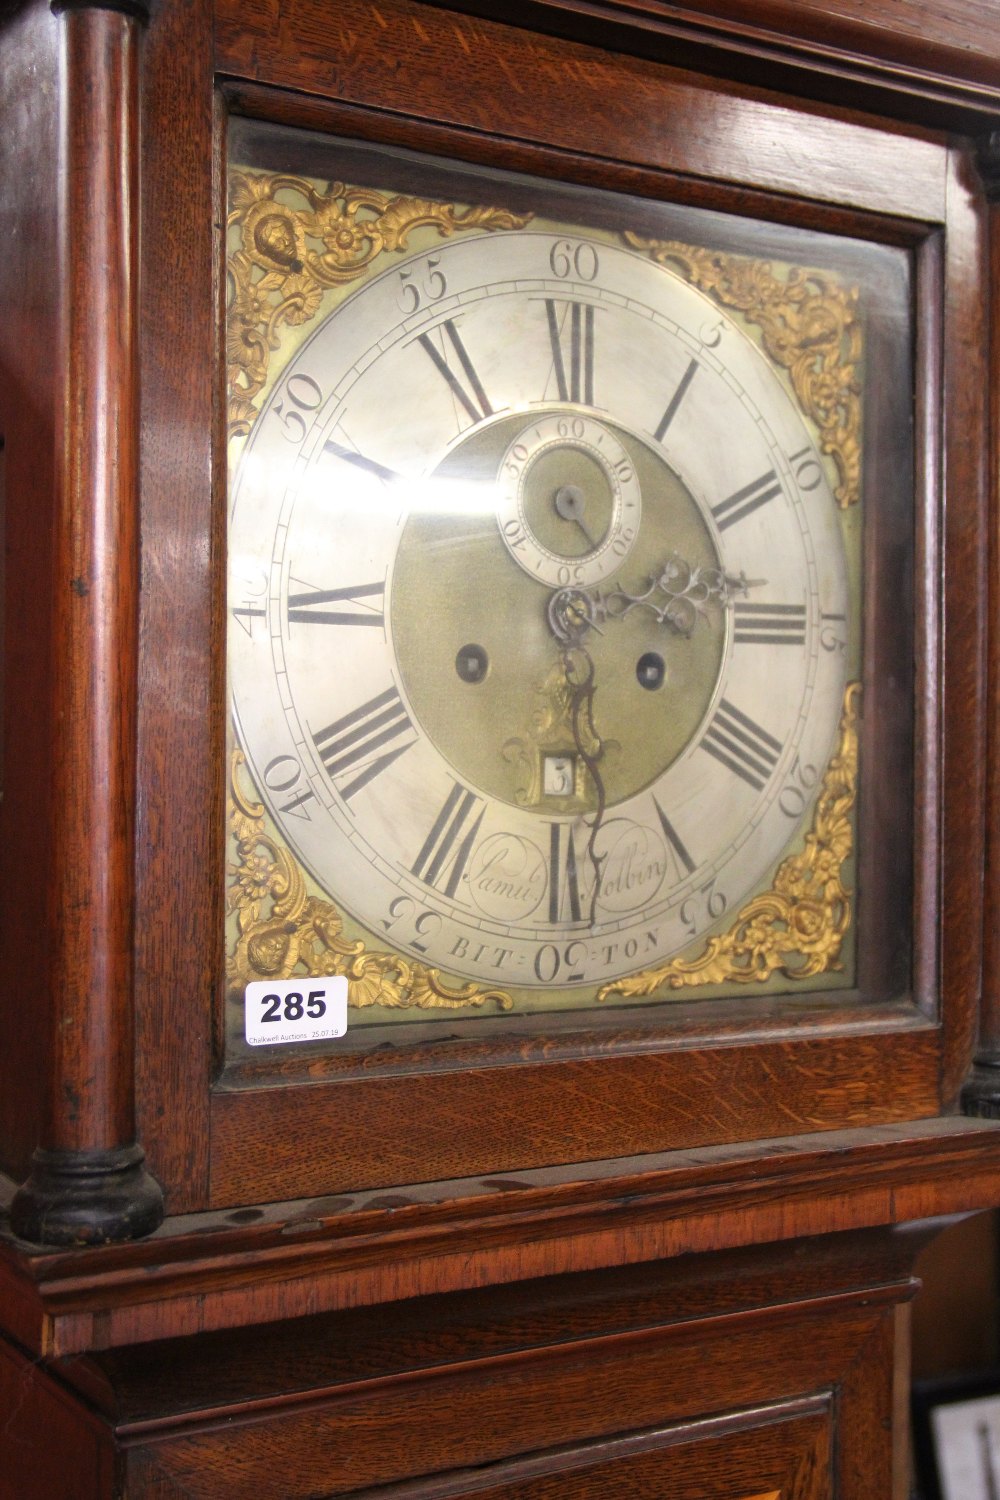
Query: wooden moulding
pixel 213 1271
pixel 661 132
pixel 934 65
pixel 88 1182
pixel 981 1094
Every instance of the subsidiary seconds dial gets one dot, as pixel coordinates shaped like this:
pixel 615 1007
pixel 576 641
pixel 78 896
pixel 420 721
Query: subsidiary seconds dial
pixel 455 444
pixel 568 501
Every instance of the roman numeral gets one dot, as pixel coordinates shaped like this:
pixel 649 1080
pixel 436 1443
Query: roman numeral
pixel 741 745
pixel 673 404
pixel 469 395
pixel 748 499
pixel 682 859
pixel 769 624
pixel 305 606
pixel 564 875
pixel 447 847
pixel 576 384
pixel 350 745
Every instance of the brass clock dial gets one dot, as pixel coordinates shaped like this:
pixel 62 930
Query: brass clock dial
pixel 538 601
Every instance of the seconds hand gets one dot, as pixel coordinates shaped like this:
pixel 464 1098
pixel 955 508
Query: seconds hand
pixel 569 505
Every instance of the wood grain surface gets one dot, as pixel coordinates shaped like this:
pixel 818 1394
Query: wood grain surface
pixel 291 1260
pixel 29 62
pixel 541 1266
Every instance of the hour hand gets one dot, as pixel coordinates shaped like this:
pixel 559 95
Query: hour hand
pixel 678 595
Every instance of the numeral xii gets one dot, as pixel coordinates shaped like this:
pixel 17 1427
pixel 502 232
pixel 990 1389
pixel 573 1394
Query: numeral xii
pixel 575 375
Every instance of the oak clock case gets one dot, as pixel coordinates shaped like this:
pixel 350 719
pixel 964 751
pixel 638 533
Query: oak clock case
pixel 546 546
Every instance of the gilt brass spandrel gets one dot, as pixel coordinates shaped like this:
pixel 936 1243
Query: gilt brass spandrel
pixel 288 251
pixel 295 243
pixel 810 326
pixel 282 929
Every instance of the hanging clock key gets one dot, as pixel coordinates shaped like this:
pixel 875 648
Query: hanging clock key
pixel 531 552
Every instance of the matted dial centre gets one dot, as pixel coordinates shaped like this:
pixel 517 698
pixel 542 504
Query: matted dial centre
pixel 478 641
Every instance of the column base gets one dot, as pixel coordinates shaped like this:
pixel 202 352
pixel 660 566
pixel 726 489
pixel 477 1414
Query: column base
pixel 87 1198
pixel 981 1090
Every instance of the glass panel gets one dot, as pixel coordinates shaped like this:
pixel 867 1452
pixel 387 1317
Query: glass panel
pixel 545 603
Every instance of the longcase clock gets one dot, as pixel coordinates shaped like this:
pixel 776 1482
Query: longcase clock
pixel 498 890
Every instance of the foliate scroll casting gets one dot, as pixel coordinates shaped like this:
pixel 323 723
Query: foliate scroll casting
pixel 797 928
pixel 283 930
pixel 809 326
pixel 296 243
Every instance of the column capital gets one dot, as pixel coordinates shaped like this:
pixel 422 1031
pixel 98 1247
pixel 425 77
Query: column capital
pixel 139 10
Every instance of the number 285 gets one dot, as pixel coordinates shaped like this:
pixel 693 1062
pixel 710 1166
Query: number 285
pixel 293 1006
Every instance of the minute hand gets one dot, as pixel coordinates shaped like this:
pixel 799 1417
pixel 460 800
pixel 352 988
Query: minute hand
pixel 361 461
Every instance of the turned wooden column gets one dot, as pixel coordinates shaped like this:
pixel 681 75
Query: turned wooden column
pixel 981 1093
pixel 88 1182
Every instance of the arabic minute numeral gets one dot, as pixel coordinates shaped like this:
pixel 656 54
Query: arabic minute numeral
pixel 283 775
pixel 807 469
pixel 833 632
pixel 550 960
pixel 580 260
pixel 422 925
pixel 706 905
pixel 245 614
pixel 419 286
pixel 795 796
pixel 303 393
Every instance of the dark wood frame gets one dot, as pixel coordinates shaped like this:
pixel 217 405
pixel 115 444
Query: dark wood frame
pixel 707 1230
pixel 211 1144
pixel 885 987
pixel 857 175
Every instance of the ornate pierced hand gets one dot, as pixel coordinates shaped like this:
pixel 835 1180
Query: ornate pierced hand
pixel 678 595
